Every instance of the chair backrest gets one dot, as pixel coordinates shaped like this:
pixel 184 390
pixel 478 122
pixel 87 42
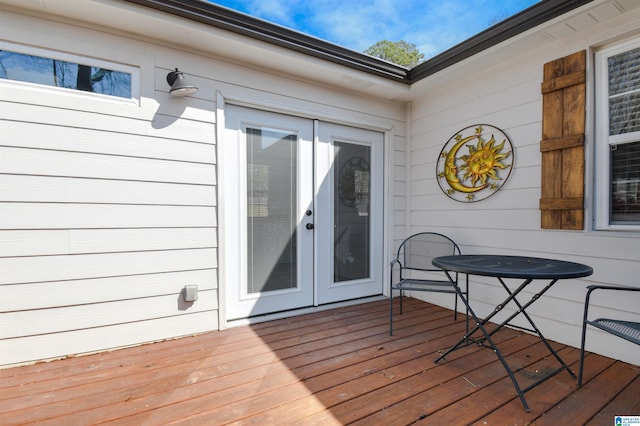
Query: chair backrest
pixel 418 250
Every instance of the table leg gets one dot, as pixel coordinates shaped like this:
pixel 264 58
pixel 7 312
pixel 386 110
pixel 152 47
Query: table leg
pixel 487 336
pixel 480 323
pixel 523 310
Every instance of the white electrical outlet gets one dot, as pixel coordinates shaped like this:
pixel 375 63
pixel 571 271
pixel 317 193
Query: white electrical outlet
pixel 190 293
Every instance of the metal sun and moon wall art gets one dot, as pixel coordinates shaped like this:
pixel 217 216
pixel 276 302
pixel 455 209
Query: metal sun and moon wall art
pixel 480 173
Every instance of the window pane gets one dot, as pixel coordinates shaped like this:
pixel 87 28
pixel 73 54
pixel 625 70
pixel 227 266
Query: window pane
pixel 624 72
pixel 625 183
pixel 352 202
pixel 58 73
pixel 271 210
pixel 624 114
pixel 624 92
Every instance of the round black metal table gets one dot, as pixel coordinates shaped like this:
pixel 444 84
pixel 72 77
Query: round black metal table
pixel 501 267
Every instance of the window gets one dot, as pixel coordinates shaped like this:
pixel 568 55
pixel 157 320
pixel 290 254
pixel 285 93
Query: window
pixel 60 73
pixel 618 136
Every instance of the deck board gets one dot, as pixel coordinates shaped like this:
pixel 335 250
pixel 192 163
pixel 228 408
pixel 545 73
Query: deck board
pixel 333 367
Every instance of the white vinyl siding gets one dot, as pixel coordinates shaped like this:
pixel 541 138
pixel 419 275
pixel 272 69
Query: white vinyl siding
pixel 109 207
pixel 502 88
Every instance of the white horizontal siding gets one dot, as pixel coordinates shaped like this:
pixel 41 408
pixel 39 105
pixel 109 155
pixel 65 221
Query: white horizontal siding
pixel 506 94
pixel 158 125
pixel 14 243
pixel 64 318
pixel 44 189
pixel 108 207
pixel 79 341
pixel 94 141
pixel 79 292
pixel 63 216
pixel 74 164
pixel 30 269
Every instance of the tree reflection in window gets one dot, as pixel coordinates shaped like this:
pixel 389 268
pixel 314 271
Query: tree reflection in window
pixel 59 73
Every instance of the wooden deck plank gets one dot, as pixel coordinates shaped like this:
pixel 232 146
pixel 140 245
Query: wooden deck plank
pixel 544 397
pixel 332 387
pixel 111 392
pixel 235 397
pixel 595 394
pixel 334 367
pixel 88 366
pixel 462 377
pixel 85 364
pixel 422 374
pixel 491 395
pixel 626 403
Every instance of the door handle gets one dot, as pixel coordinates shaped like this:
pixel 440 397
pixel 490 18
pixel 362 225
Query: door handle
pixel 309 226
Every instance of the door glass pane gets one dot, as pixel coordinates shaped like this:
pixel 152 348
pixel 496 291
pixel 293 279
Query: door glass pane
pixel 271 210
pixel 352 178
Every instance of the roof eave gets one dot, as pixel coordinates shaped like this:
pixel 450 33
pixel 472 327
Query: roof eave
pixel 240 23
pixel 517 24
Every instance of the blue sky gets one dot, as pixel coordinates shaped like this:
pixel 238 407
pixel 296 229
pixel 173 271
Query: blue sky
pixel 432 25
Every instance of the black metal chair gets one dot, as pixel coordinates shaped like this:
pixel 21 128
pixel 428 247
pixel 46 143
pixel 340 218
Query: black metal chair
pixel 417 273
pixel 627 330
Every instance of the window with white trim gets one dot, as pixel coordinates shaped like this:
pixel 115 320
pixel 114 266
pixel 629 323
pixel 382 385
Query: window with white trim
pixel 67 74
pixel 618 136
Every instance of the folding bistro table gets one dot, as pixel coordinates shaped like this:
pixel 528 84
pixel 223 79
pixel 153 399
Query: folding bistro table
pixel 527 269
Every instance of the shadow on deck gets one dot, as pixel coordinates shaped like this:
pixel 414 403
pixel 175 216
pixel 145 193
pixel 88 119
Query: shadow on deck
pixel 333 367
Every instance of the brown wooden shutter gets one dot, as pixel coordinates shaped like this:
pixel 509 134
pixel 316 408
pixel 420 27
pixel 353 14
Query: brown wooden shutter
pixel 562 145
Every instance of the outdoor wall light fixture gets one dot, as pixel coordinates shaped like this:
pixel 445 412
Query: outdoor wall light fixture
pixel 179 86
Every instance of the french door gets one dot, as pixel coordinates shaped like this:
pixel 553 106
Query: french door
pixel 303 212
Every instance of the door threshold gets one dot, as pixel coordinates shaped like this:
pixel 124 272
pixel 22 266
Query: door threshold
pixel 301 311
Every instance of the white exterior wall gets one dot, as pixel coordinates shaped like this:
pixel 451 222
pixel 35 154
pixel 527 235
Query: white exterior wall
pixel 501 87
pixel 109 208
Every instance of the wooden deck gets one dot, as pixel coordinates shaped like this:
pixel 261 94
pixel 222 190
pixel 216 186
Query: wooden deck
pixel 333 367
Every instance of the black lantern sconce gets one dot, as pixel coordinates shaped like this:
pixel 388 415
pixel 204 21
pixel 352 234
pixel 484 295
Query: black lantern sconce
pixel 180 87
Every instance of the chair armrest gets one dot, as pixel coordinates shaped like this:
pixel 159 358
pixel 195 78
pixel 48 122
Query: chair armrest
pixel 612 287
pixel 592 288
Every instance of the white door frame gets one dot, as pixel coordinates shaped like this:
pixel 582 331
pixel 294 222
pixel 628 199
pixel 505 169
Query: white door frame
pixel 327 135
pixel 240 303
pixel 384 126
